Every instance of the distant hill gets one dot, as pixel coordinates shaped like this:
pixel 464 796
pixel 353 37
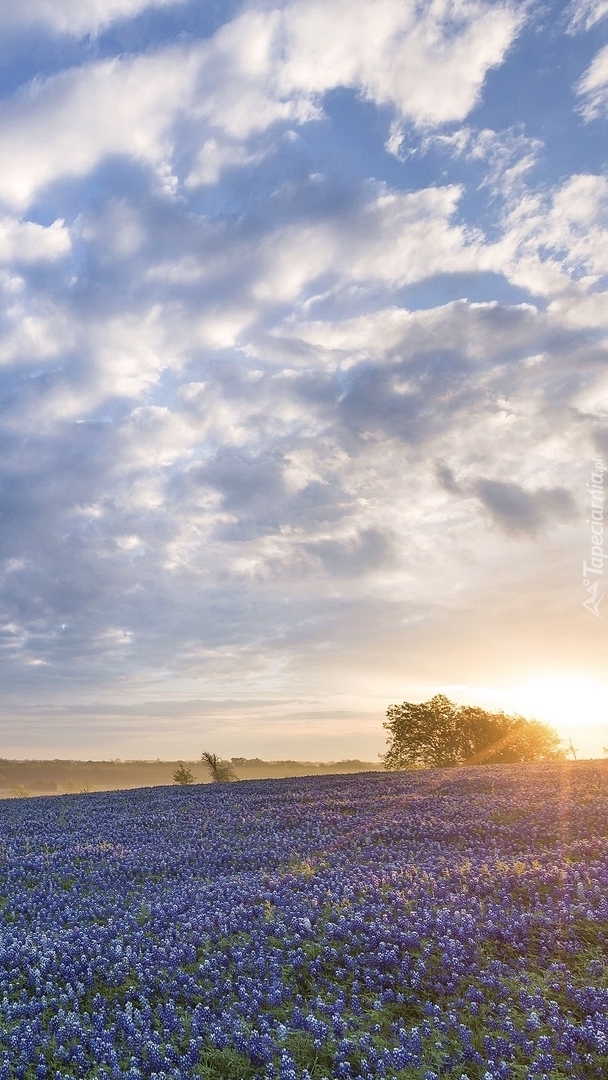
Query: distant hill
pixel 60 777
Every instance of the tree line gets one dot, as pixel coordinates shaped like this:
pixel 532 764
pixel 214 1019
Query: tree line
pixel 21 777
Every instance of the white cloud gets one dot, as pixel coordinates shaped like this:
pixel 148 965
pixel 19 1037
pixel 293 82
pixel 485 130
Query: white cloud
pixel 361 336
pixel 261 68
pixel 396 334
pixel 74 17
pixel 222 325
pixel 120 356
pixel 33 328
pixel 551 239
pixel 584 14
pixel 394 237
pixel 155 436
pixel 391 52
pixel 66 125
pixel 230 416
pixel 269 65
pixel 130 351
pixel 186 270
pixel 213 158
pixel 33 334
pixel 575 309
pixel 29 242
pixel 239 92
pixel 593 87
pixel 578 222
pixel 592 399
pixel 383 237
pixel 116 231
pixel 507 155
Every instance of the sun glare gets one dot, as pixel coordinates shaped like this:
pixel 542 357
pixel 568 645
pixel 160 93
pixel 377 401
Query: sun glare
pixel 572 704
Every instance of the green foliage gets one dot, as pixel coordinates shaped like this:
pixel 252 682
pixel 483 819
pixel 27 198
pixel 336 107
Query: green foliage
pixel 221 772
pixel 183 775
pixel 225 1064
pixel 438 734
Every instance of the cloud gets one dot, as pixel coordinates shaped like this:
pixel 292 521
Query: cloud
pixel 585 14
pixel 556 239
pixel 507 156
pixel 352 557
pixel 64 126
pixel 74 17
pixel 100 361
pixel 152 529
pixel 265 67
pixel 392 237
pixel 399 334
pixel 446 478
pixel 578 222
pixel 277 409
pixel 593 87
pixel 32 332
pixel 29 242
pixel 519 511
pixel 577 309
pixel 391 52
pixel 214 158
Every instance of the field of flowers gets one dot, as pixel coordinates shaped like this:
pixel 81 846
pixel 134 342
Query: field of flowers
pixel 445 924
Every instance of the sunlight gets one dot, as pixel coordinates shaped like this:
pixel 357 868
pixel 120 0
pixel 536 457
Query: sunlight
pixel 573 704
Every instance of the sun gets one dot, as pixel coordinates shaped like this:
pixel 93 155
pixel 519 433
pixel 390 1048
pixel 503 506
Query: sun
pixel 575 705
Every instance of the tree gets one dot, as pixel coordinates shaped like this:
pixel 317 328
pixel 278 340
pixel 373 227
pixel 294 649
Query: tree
pixel 221 772
pixel 438 734
pixel 183 776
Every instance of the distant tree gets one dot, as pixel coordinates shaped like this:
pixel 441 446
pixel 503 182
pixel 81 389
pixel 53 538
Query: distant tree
pixel 221 772
pixel 438 734
pixel 183 776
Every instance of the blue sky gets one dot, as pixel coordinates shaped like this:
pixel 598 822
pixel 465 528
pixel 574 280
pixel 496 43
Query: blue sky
pixel 303 370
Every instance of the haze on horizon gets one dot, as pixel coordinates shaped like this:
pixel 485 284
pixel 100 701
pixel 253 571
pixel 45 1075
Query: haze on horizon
pixel 303 370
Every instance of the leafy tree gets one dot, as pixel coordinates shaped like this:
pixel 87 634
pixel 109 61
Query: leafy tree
pixel 438 734
pixel 221 772
pixel 183 775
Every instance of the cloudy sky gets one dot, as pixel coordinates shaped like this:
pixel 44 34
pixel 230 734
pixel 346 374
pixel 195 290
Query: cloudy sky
pixel 303 370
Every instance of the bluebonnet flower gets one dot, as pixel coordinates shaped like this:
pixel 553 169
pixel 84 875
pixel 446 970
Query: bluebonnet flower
pixel 170 943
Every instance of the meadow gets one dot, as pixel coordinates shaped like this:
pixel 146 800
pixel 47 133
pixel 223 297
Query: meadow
pixel 442 924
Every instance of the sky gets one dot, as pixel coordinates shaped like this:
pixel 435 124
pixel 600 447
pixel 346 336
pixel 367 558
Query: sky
pixel 303 371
